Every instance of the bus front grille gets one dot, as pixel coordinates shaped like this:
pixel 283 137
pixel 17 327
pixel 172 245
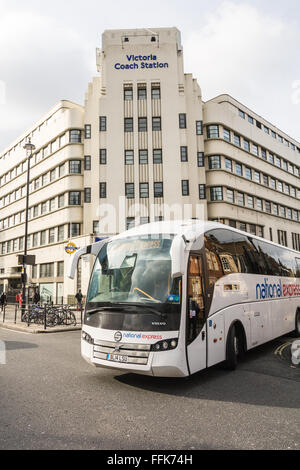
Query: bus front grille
pixel 135 353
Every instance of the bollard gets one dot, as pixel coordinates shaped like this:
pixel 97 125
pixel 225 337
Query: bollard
pixel 16 313
pixel 4 308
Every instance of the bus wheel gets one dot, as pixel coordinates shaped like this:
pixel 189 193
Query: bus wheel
pixel 297 329
pixel 233 349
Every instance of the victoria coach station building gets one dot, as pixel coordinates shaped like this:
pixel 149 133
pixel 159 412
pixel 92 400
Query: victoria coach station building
pixel 144 147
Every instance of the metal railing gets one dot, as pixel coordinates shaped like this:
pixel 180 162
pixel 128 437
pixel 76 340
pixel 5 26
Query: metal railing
pixel 44 315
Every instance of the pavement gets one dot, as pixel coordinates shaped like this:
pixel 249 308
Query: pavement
pixel 13 322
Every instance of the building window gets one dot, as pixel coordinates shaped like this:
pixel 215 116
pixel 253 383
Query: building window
pixel 268 207
pixel 62 170
pixel 61 201
pixel 199 127
pixel 102 124
pixel 44 208
pixel 240 199
pixel 185 187
pixel 155 93
pixel 51 235
pixel 230 196
pixel 74 198
pixel 47 270
pixel 103 156
pixel 74 230
pixel 52 175
pixel 158 190
pixel 202 191
pixel 130 223
pixel 142 123
pixel 143 157
pixel 212 132
pixel 87 131
pixel 129 157
pixel 237 140
pixel 144 220
pixel 214 162
pixel 36 211
pixel 238 169
pixel 128 124
pixel 182 121
pixel 87 195
pixel 52 204
pixel 257 177
pixel 60 269
pixel 96 229
pixel 216 194
pixel 264 154
pixel 142 93
pixel 75 167
pixel 157 156
pixel 129 190
pixel 35 240
pixel 128 94
pixel 87 163
pixel 251 202
pixel 265 180
pixel 282 237
pixel 246 145
pixel 255 149
pixel 227 135
pixel 103 191
pixel 200 159
pixel 275 209
pixel 248 173
pixel 144 190
pixel 156 124
pixel 61 233
pixel 184 154
pixel 296 241
pixel 241 114
pixel 228 164
pixel 43 237
pixel 75 137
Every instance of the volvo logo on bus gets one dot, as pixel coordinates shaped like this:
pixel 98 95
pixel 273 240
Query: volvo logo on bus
pixel 118 337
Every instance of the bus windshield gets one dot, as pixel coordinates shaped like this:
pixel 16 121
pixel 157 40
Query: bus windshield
pixel 134 270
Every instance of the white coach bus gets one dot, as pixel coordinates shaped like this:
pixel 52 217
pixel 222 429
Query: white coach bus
pixel 170 299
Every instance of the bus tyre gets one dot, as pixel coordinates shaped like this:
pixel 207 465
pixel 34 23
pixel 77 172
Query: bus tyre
pixel 232 349
pixel 297 329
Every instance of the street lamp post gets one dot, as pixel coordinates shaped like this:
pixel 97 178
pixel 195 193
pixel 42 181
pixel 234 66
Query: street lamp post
pixel 29 147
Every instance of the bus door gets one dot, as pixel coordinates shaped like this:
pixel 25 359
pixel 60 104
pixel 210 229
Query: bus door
pixel 196 321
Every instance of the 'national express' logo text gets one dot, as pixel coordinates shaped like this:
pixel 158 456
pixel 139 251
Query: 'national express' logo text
pixel 268 290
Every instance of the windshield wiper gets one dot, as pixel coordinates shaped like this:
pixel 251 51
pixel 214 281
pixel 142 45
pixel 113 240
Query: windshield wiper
pixel 125 308
pixel 102 309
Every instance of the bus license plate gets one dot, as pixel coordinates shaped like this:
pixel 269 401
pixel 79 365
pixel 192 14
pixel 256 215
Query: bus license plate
pixel 117 358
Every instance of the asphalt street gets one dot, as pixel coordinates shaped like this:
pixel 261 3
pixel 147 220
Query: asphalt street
pixel 51 399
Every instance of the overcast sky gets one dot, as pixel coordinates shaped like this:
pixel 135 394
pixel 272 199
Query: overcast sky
pixel 247 48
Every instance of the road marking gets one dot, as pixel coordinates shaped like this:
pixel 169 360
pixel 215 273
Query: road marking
pixel 281 348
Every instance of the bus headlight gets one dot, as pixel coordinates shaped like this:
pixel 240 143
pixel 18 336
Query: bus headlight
pixel 87 338
pixel 166 345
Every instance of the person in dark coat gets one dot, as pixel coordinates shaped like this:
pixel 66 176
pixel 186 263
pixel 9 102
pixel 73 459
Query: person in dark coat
pixel 3 300
pixel 36 297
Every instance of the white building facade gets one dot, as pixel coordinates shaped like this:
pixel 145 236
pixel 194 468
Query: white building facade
pixel 144 147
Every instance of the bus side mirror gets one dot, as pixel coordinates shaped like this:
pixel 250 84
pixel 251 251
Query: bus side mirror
pixel 178 256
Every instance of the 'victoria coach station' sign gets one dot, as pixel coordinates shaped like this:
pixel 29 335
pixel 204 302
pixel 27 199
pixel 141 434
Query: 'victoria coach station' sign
pixel 141 62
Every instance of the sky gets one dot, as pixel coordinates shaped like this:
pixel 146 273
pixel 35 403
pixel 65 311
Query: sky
pixel 246 48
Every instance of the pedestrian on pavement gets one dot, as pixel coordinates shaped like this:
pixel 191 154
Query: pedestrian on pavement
pixel 3 300
pixel 79 298
pixel 19 299
pixel 36 297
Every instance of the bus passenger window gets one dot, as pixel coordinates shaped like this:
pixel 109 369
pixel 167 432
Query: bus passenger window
pixel 196 311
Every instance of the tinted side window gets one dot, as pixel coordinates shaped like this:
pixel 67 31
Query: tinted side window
pixel 233 252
